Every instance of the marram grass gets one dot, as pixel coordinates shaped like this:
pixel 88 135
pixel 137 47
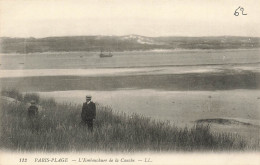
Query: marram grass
pixel 58 129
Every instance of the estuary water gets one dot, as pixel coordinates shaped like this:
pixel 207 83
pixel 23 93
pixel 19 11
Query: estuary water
pixel 181 86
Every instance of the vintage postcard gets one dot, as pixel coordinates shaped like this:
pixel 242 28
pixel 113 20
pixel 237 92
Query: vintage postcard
pixel 129 82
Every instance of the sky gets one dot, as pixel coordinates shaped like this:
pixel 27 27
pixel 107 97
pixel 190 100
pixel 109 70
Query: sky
pixel 43 18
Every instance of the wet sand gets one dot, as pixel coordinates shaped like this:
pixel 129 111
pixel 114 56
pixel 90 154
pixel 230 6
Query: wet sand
pixel 227 80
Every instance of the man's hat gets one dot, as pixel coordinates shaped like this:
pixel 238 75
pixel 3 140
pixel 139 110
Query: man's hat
pixel 33 102
pixel 88 97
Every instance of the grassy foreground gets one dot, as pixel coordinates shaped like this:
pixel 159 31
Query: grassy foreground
pixel 60 130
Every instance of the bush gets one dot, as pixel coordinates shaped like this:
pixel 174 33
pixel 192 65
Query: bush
pixel 13 93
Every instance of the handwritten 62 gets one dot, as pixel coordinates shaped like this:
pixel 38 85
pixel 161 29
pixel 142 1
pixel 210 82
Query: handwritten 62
pixel 239 9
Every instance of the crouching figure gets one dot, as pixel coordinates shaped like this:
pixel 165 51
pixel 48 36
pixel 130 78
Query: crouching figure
pixel 33 116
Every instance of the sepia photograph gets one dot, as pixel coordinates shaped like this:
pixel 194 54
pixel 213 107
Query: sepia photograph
pixel 129 82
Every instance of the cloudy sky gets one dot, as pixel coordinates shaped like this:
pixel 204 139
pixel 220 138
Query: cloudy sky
pixel 42 18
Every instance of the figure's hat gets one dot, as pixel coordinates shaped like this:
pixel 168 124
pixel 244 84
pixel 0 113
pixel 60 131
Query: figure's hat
pixel 88 97
pixel 33 102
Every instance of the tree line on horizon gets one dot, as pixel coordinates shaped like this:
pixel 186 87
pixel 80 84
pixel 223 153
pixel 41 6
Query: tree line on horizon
pixel 123 43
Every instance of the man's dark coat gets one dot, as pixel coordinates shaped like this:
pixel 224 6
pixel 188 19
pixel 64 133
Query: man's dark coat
pixel 88 111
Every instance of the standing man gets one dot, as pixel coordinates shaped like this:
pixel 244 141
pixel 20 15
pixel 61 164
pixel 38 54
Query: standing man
pixel 33 115
pixel 88 113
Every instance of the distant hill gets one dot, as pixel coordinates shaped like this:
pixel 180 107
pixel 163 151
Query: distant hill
pixel 123 43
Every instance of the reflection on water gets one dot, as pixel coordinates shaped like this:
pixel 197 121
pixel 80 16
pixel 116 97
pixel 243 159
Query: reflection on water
pixel 109 72
pixel 127 71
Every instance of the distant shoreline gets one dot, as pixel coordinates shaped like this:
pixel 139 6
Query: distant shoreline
pixel 132 51
pixel 123 43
